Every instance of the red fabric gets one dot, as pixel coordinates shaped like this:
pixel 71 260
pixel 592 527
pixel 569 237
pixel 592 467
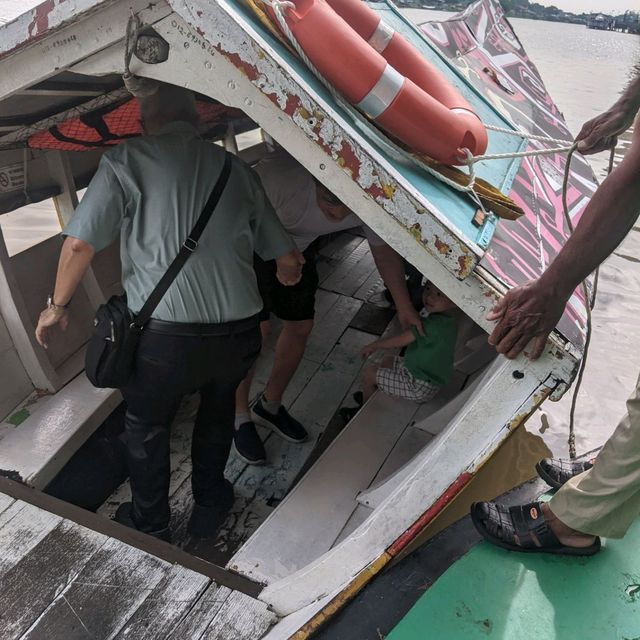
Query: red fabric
pixel 121 120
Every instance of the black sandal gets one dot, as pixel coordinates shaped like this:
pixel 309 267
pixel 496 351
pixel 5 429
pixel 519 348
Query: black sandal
pixel 556 472
pixel 500 525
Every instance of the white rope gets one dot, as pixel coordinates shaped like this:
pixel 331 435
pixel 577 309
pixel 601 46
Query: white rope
pixel 520 154
pixel 525 134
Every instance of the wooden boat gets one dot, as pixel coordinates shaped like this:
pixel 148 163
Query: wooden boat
pixel 302 543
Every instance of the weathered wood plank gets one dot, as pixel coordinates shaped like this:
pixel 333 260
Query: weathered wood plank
pixel 324 301
pixel 166 606
pixel 55 430
pixel 22 527
pixel 370 287
pixel 192 626
pixel 331 255
pixel 352 271
pixel 327 332
pixel 327 389
pixel 341 245
pixel 28 588
pixel 118 577
pixel 240 617
pixel 5 502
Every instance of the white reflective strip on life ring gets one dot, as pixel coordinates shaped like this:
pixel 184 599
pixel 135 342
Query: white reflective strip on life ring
pixel 381 37
pixel 383 93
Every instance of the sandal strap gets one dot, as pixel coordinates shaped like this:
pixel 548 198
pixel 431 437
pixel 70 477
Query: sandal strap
pixel 530 525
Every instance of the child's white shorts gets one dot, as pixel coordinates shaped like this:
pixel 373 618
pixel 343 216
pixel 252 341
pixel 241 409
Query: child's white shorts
pixel 401 383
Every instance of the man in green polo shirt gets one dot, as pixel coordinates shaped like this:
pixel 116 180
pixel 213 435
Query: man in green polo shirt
pixel 204 334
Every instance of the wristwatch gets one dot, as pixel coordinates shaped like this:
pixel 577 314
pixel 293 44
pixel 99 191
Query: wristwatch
pixel 56 307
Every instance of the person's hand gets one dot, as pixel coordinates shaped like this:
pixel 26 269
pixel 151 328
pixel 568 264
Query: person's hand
pixel 50 318
pixel 409 317
pixel 289 269
pixel 601 132
pixel 528 312
pixel 368 350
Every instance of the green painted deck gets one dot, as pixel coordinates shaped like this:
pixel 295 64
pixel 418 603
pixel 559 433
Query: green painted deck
pixel 492 593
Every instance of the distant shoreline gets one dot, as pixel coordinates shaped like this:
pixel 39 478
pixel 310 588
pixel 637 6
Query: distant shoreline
pixel 628 22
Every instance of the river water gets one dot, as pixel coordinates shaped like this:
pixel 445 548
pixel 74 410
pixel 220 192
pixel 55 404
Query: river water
pixel 585 71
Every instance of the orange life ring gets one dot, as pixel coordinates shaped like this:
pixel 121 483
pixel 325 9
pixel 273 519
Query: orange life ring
pixel 378 71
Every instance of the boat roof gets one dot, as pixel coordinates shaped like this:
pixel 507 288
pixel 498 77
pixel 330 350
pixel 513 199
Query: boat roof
pixel 482 43
pixel 463 48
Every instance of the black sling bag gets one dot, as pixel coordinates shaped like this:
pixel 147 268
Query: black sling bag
pixel 116 333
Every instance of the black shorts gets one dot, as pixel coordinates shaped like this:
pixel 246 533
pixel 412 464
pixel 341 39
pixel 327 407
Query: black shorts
pixel 287 303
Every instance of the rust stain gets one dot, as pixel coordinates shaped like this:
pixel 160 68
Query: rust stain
pixel 389 190
pixel 248 70
pixel 416 231
pixel 303 113
pixel 442 247
pixel 465 264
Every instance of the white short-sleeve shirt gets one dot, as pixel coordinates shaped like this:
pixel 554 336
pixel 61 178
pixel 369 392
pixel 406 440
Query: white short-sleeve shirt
pixel 292 192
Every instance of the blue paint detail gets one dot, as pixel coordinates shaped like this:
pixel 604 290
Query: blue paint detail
pixel 487 229
pixel 457 208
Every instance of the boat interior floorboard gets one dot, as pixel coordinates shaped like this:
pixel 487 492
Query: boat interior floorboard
pixel 351 311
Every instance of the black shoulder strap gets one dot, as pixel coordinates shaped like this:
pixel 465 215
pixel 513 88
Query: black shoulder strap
pixel 187 248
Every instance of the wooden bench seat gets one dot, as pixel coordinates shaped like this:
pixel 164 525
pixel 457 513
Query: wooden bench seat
pixel 54 429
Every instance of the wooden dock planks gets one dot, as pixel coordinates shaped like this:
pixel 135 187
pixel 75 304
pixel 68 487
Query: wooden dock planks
pixel 61 579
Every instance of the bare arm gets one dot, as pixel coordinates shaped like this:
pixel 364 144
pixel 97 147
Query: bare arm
pixel 391 268
pixel 533 310
pixel 601 132
pixel 401 340
pixel 289 268
pixel 75 258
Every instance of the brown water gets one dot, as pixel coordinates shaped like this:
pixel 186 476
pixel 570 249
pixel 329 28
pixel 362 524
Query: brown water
pixel 584 71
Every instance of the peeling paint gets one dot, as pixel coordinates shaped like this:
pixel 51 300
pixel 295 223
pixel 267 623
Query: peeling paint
pixel 537 399
pixel 12 474
pixel 40 22
pixel 283 89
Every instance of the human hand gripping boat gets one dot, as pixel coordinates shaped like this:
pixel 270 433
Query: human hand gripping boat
pixel 451 151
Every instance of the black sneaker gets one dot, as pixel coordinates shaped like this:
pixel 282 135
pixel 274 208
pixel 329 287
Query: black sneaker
pixel 282 422
pixel 205 521
pixel 123 516
pixel 248 444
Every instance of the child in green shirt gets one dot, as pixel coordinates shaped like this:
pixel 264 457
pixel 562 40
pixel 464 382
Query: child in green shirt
pixel 428 360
